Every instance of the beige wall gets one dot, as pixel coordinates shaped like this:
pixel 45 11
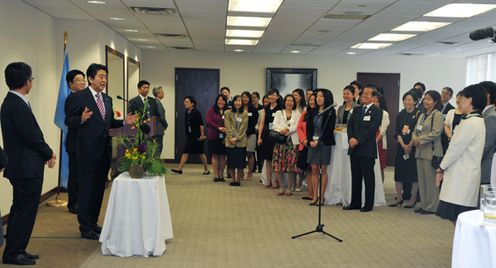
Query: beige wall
pixel 247 72
pixel 37 39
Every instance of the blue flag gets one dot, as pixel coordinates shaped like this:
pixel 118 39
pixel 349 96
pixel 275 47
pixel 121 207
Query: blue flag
pixel 64 92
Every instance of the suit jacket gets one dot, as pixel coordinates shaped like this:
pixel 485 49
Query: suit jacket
pixel 72 132
pixel 161 120
pixel 341 112
pixel 448 107
pixel 232 131
pixel 327 135
pixel 490 144
pixel 363 127
pixel 93 141
pixel 136 105
pixel 429 136
pixel 23 140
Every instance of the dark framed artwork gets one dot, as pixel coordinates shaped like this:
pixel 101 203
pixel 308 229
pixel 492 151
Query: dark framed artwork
pixel 288 79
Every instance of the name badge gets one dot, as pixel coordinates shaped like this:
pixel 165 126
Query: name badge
pixel 222 117
pixel 315 138
pixel 238 119
pixel 271 126
pixel 250 114
pixel 419 127
pixel 189 129
pixel 366 118
pixel 221 135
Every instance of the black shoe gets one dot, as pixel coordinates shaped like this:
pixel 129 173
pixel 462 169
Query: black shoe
pixel 19 259
pixel 418 210
pixel 216 179
pixel 237 183
pixel 425 212
pixel 206 172
pixel 177 171
pixel 222 180
pixel 31 256
pixel 306 198
pixel 97 229
pixel 73 210
pixel 91 235
pixel 232 183
pixel 351 208
pixel 365 209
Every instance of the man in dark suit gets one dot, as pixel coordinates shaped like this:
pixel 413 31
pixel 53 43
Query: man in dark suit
pixel 76 82
pixel 137 103
pixel 27 152
pixel 489 115
pixel 92 111
pixel 362 128
pixel 3 163
pixel 162 124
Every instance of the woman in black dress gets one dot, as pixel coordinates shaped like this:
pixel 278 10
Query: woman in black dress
pixel 195 135
pixel 405 165
pixel 266 124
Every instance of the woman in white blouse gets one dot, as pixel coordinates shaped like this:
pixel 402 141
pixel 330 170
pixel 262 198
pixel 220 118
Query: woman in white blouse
pixel 461 166
pixel 285 155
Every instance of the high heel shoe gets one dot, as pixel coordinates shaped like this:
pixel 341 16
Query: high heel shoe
pixel 397 204
pixel 313 203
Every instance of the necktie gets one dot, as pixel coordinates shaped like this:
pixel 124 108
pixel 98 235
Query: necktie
pixel 364 110
pixel 101 106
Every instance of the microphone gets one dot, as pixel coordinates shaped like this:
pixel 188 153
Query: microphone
pixel 121 98
pixel 328 108
pixel 482 34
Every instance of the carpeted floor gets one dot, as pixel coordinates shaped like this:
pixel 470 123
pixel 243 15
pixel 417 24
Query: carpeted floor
pixel 250 226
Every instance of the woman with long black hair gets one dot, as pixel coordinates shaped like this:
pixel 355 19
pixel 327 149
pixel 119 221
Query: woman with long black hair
pixel 320 134
pixel 250 131
pixel 236 122
pixel 216 134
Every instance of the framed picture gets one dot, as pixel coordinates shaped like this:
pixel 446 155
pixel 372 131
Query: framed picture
pixel 288 79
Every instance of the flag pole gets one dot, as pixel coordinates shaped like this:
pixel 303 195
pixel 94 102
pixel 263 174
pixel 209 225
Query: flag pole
pixel 57 202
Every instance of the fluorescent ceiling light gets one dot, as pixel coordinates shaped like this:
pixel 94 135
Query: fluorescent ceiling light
pixel 248 21
pixel 117 18
pixel 295 51
pixel 371 45
pixel 263 6
pixel 460 10
pixel 140 39
pixel 351 53
pixel 149 46
pixel 391 37
pixel 242 42
pixel 420 26
pixel 131 30
pixel 244 33
pixel 238 50
pixel 96 2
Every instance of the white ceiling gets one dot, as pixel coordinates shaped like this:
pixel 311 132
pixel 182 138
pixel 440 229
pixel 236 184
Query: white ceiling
pixel 297 25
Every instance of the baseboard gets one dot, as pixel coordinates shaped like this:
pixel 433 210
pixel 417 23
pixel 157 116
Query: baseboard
pixel 44 197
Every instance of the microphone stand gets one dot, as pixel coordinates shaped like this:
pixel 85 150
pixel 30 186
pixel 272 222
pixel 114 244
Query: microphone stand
pixel 320 226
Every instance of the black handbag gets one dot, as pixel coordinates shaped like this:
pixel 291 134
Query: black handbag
pixel 276 137
pixel 436 160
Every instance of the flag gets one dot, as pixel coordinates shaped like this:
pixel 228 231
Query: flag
pixel 59 121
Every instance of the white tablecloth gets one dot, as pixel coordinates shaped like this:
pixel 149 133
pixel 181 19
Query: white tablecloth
pixel 339 174
pixel 474 244
pixel 138 220
pixel 493 172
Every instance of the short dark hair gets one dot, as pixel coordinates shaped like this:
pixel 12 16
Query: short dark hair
pixel 71 74
pixel 436 97
pixel 450 90
pixel 477 93
pixel 422 86
pixel 226 88
pixel 94 68
pixel 142 83
pixel 256 94
pixel 156 90
pixel 17 74
pixel 286 98
pixel 356 83
pixel 372 87
pixel 248 94
pixel 191 99
pixel 490 89
pixel 411 93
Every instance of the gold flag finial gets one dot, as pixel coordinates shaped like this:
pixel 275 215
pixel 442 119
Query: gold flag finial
pixel 66 37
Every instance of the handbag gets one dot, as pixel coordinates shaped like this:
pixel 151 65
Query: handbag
pixel 436 160
pixel 276 137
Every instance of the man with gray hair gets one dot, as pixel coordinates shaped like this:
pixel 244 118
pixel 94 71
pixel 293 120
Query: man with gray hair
pixel 162 125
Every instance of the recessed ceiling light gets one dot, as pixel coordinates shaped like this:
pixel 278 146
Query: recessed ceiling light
pixel 244 33
pixel 131 30
pixel 391 37
pixel 248 21
pixel 460 10
pixel 96 2
pixel 458 49
pixel 263 6
pixel 242 42
pixel 238 50
pixel 150 46
pixel 140 39
pixel 371 45
pixel 117 18
pixel 420 26
pixel 351 53
pixel 295 51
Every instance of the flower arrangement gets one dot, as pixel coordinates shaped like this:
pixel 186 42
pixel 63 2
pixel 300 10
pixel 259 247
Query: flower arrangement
pixel 140 149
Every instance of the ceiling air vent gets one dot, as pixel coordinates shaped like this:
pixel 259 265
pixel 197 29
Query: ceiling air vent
pixel 410 54
pixel 182 48
pixel 178 36
pixel 155 10
pixel 447 43
pixel 346 16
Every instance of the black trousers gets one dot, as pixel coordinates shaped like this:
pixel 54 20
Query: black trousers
pixel 93 174
pixel 159 139
pixel 362 168
pixel 27 193
pixel 73 182
pixel 259 158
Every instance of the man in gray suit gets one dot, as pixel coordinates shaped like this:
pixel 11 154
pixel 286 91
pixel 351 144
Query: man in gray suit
pixel 162 125
pixel 489 115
